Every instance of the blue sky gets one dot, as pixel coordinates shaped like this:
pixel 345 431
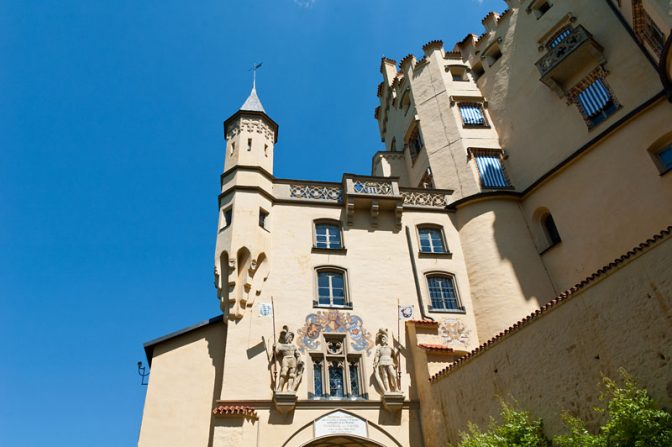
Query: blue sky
pixel 111 148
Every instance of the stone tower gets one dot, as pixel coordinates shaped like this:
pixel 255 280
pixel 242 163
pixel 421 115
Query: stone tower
pixel 241 264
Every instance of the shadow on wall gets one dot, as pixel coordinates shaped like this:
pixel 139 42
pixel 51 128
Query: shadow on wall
pixel 217 350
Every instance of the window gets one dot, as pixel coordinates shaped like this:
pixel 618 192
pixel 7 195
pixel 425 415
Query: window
pixel 442 293
pixel 227 217
pixel 393 145
pixel 328 235
pixel 431 240
pixel 663 158
pixel 596 103
pixel 415 143
pixel 490 169
pixel 653 35
pixel 458 72
pixel 427 180
pixel 249 144
pixel 492 54
pixel 539 7
pixel 551 231
pixel 262 218
pixel 477 71
pixel 472 115
pixel 331 288
pixel 337 373
pixel 559 37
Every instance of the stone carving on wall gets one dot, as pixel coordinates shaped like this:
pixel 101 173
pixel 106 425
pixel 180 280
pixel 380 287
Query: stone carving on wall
pixel 316 192
pixel 419 198
pixel 385 365
pixel 334 321
pixel 453 330
pixel 291 365
pixel 373 187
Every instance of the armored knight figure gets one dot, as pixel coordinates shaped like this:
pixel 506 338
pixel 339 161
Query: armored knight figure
pixel 385 363
pixel 291 364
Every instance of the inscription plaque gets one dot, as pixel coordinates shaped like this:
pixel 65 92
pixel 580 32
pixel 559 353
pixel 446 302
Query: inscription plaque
pixel 340 423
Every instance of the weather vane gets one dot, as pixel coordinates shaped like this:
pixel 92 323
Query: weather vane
pixel 254 69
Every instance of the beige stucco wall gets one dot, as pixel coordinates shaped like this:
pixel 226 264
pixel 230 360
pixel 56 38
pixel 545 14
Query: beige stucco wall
pixel 183 386
pixel 555 363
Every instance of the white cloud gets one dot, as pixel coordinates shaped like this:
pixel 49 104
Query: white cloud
pixel 305 3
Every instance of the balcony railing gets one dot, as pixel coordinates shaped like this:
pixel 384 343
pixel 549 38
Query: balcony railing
pixel 576 54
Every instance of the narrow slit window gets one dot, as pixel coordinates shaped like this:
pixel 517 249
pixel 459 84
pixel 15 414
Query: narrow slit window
pixel 263 216
pixel 249 144
pixel 550 230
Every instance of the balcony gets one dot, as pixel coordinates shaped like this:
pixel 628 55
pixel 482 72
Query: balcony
pixel 375 194
pixel 572 59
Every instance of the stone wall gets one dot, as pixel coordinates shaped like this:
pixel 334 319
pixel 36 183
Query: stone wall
pixel 621 317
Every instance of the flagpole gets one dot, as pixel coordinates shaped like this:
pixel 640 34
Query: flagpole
pixel 273 366
pixel 399 343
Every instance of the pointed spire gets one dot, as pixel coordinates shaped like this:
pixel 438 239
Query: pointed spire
pixel 252 103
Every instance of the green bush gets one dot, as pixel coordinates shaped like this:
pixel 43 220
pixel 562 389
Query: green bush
pixel 517 429
pixel 632 420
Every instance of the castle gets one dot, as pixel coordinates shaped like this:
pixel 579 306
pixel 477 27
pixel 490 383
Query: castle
pixel 513 239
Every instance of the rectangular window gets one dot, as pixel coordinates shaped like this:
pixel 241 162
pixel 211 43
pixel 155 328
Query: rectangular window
pixel 328 236
pixel 262 218
pixel 228 217
pixel 472 114
pixel 431 240
pixel 330 288
pixel 492 54
pixel 596 103
pixel 653 35
pixel 663 158
pixel 415 143
pixel 442 293
pixel 477 71
pixel 318 386
pixel 490 169
pixel 458 72
pixel 559 37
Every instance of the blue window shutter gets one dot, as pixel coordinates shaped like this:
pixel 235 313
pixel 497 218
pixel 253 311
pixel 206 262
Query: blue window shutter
pixel 472 114
pixel 594 98
pixel 491 171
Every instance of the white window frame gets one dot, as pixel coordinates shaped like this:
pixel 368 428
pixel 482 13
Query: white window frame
pixel 346 295
pixel 330 222
pixel 435 227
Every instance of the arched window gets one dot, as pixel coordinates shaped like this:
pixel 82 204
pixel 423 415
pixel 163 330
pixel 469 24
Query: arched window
pixel 331 287
pixel 551 231
pixel 443 292
pixel 328 235
pixel 431 239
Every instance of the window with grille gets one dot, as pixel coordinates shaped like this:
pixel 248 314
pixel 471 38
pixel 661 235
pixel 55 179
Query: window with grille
pixel 331 289
pixel 328 235
pixel 337 372
pixel 472 115
pixel 442 293
pixel 431 240
pixel 490 169
pixel 596 102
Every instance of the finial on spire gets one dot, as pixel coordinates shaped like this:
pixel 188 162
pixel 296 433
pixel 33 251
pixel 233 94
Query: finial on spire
pixel 254 69
pixel 252 103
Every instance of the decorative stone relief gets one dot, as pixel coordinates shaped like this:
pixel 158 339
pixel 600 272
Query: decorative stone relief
pixel 334 321
pixel 385 365
pixel 251 125
pixel 316 192
pixel 418 198
pixel 372 187
pixel 453 330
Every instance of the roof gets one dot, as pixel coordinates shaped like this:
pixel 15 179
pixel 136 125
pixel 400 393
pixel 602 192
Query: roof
pixel 253 103
pixel 149 346
pixel 235 410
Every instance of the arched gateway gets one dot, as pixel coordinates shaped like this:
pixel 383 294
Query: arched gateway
pixel 342 441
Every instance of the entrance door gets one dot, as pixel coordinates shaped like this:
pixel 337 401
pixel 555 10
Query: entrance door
pixel 342 441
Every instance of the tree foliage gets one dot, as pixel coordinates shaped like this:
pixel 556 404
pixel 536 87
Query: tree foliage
pixel 632 420
pixel 517 429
